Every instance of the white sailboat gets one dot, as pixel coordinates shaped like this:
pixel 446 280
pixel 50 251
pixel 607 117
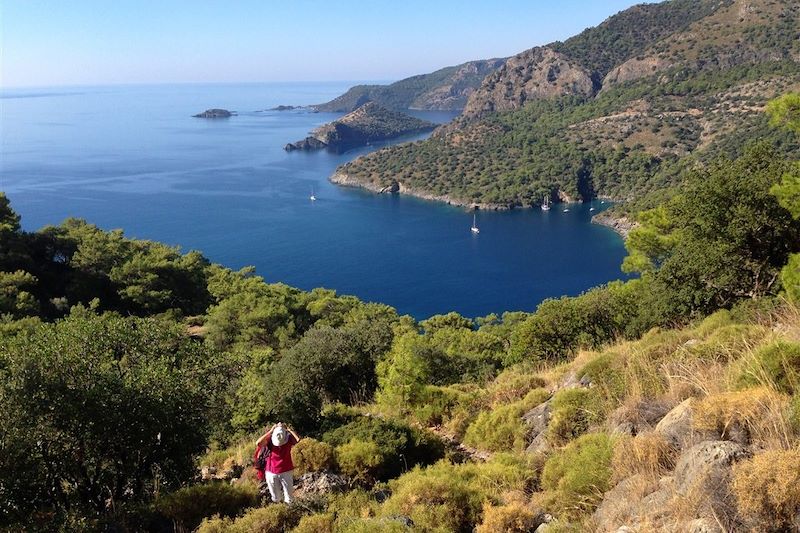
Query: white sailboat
pixel 474 228
pixel 312 197
pixel 546 204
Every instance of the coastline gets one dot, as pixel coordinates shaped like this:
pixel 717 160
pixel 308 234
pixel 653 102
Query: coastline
pixel 622 225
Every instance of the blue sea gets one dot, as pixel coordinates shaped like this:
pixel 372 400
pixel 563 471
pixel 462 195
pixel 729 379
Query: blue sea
pixel 133 157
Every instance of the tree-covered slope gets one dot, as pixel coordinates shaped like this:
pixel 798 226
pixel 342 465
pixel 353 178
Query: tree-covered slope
pixel 447 89
pixel 538 127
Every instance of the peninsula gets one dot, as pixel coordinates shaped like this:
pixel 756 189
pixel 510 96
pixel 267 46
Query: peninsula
pixel 369 123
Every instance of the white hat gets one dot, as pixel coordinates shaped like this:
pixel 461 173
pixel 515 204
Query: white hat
pixel 279 436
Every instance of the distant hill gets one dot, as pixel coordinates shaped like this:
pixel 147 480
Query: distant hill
pixel 615 111
pixel 446 89
pixel 368 123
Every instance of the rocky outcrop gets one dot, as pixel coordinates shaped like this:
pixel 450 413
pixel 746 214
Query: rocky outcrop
pixel 633 69
pixel 320 483
pixel 537 73
pixel 369 123
pixel 214 113
pixel 619 223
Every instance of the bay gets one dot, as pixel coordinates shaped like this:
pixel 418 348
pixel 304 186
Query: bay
pixel 133 157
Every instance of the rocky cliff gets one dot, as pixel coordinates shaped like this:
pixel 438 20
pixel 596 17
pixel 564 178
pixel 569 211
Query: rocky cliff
pixel 369 123
pixel 533 74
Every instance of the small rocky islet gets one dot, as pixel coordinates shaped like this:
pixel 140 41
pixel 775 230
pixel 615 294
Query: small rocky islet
pixel 369 123
pixel 215 113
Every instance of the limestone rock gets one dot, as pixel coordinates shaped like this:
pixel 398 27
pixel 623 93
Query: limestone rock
pixel 537 73
pixel 676 426
pixel 634 419
pixel 704 460
pixel 316 483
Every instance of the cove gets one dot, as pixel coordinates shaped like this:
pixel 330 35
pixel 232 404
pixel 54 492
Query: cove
pixel 133 157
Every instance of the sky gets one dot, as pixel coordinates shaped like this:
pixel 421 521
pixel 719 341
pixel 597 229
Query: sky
pixel 90 42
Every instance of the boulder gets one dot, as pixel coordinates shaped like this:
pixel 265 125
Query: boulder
pixel 537 420
pixel 703 476
pixel 676 426
pixel 621 504
pixel 639 417
pixel 318 483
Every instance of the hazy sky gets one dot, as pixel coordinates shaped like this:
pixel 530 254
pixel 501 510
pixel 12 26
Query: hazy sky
pixel 67 42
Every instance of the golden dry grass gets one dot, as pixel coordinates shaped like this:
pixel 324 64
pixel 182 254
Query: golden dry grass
pixel 648 454
pixel 767 487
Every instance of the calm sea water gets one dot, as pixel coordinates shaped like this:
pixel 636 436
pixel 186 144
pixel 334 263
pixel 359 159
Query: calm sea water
pixel 134 158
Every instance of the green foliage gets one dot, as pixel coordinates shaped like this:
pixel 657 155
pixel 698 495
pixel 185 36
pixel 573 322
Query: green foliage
pixel 398 446
pixel 790 278
pixel 277 518
pixel 560 327
pixel 606 373
pixel 311 455
pixel 574 412
pixel 784 112
pixel 728 238
pixel 94 407
pixel 776 364
pixel 315 523
pixel 502 428
pixel 579 474
pixel 361 460
pixel 188 507
pixel 14 299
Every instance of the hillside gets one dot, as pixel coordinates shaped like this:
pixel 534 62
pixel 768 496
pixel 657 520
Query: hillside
pixel 369 123
pixel 444 89
pixel 615 112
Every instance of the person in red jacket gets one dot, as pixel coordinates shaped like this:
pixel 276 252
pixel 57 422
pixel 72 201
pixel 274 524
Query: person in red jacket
pixel 279 471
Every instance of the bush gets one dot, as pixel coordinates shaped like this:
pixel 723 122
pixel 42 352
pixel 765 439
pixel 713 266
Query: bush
pixel 606 372
pixel 361 460
pixel 776 364
pixel 502 429
pixel 400 445
pixel 437 404
pixel 315 523
pixel 435 499
pixel 311 455
pixel 579 474
pixel 509 518
pixel 188 506
pixel 511 386
pixel 278 518
pixel 753 413
pixel 649 454
pixel 767 487
pixel 574 411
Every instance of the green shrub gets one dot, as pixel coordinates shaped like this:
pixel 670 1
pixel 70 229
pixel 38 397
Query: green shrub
pixel 512 518
pixel 435 499
pixel 777 364
pixel 502 429
pixel 511 386
pixel 436 404
pixel 794 414
pixel 351 505
pixel 574 411
pixel 361 460
pixel 400 445
pixel 606 372
pixel 579 474
pixel 315 523
pixel 727 343
pixel 372 525
pixel 188 506
pixel 278 518
pixel 311 455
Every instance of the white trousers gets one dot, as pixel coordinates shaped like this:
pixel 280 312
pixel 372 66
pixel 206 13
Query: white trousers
pixel 280 485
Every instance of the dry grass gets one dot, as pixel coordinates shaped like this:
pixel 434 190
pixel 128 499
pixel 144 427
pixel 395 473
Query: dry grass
pixel 759 415
pixel 510 518
pixel 648 454
pixel 767 487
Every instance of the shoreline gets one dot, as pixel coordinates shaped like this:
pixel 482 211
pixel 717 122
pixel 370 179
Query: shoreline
pixel 621 225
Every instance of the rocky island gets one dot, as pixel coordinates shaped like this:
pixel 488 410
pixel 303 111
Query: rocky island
pixel 214 113
pixel 369 123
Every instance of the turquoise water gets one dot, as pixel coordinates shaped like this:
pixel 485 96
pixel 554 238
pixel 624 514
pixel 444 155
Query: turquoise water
pixel 132 157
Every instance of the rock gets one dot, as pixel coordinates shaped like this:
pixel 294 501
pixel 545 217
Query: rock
pixel 676 426
pixel 642 416
pixel 706 459
pixel 620 504
pixel 309 143
pixel 316 483
pixel 702 525
pixel 537 420
pixel 538 73
pixel 368 123
pixel 214 113
pixel 285 107
pixel 703 476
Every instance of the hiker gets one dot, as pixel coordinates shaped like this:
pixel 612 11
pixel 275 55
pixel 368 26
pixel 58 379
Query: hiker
pixel 274 449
